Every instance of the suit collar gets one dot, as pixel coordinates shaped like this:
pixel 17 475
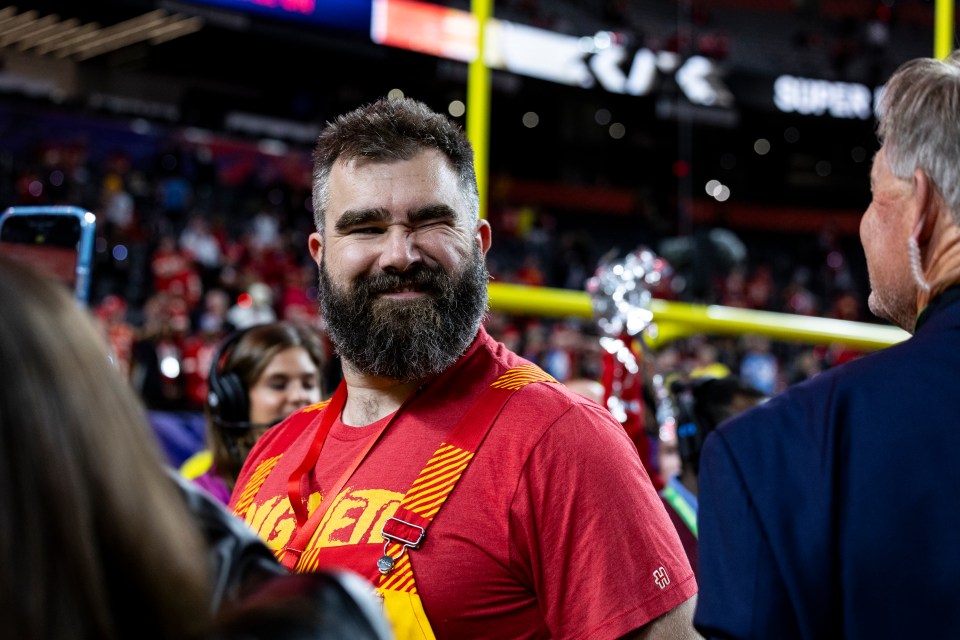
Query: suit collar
pixel 942 301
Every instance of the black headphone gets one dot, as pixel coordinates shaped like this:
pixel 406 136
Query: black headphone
pixel 690 430
pixel 701 406
pixel 227 397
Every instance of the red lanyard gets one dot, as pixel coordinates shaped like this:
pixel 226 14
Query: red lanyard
pixel 295 482
pixel 330 413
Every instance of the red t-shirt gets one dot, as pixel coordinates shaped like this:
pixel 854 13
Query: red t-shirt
pixel 554 530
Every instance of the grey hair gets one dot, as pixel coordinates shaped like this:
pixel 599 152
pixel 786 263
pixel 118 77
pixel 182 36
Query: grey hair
pixel 919 124
pixel 391 129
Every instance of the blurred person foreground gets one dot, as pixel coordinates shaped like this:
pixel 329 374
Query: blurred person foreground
pixel 104 541
pixel 98 543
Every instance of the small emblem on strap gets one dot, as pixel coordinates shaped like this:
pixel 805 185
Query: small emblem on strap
pixel 387 563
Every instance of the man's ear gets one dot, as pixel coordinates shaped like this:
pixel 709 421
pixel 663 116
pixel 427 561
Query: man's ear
pixel 315 244
pixel 484 235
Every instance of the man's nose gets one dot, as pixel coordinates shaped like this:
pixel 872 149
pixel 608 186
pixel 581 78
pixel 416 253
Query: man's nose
pixel 400 249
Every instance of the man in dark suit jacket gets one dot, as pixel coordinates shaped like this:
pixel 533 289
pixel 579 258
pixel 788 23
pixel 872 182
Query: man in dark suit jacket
pixel 830 511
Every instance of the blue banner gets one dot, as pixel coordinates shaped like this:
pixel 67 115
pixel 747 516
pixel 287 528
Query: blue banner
pixel 349 15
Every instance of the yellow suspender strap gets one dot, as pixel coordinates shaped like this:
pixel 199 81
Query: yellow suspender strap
pixel 407 529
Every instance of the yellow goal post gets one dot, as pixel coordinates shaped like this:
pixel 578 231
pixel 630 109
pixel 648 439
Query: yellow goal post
pixel 675 320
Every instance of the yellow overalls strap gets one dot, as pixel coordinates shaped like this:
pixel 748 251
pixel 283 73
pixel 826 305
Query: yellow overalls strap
pixel 407 529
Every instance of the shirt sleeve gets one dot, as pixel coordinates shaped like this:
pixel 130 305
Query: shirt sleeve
pixel 600 548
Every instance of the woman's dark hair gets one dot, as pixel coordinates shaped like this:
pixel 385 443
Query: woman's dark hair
pixel 259 344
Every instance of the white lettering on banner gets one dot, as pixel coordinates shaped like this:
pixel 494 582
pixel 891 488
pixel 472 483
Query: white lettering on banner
pixel 818 97
pixel 578 61
pixel 643 73
pixel 697 77
pixel 605 65
pixel 700 82
pixel 536 53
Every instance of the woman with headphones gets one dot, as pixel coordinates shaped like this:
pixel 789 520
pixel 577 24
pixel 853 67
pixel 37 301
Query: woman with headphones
pixel 258 377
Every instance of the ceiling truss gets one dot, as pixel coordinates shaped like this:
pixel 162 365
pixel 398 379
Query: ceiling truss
pixel 57 37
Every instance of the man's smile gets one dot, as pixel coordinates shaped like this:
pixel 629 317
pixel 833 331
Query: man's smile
pixel 404 293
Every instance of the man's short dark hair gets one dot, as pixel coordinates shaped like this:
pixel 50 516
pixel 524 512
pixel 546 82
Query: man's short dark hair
pixel 391 129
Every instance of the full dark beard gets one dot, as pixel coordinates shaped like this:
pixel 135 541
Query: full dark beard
pixel 406 339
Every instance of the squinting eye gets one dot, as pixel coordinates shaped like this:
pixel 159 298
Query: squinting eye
pixel 367 230
pixel 435 224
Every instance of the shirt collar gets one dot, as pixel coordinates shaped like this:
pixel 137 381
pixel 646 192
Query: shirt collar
pixel 947 297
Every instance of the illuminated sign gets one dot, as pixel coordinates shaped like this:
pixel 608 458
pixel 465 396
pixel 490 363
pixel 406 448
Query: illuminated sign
pixel 351 15
pixel 585 61
pixel 432 29
pixel 591 60
pixel 823 97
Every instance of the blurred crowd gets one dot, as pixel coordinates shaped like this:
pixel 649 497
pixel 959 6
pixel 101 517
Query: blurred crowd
pixel 199 235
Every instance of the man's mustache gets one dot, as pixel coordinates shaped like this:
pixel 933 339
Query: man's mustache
pixel 419 278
